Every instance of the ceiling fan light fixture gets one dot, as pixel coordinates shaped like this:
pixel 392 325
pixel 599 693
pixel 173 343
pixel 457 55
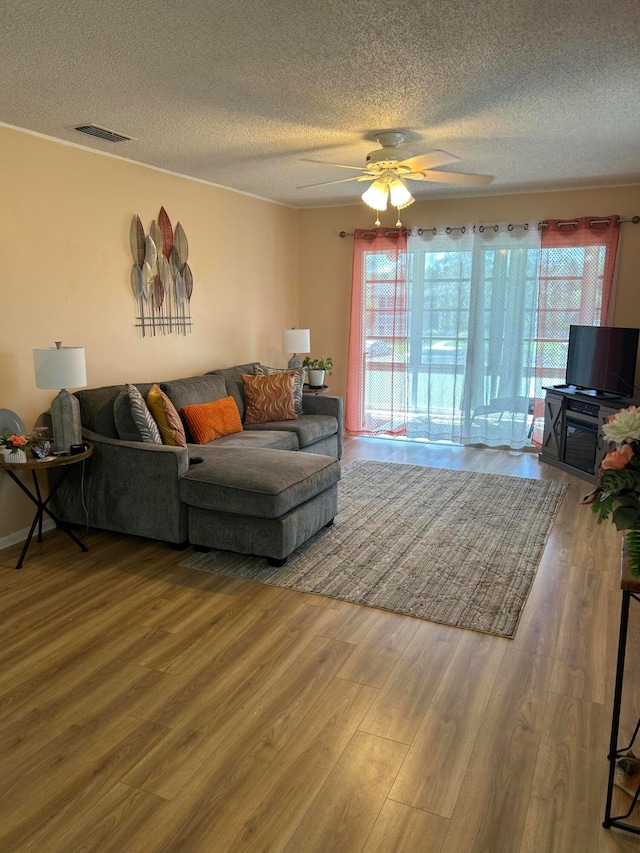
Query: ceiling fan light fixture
pixel 400 195
pixel 377 195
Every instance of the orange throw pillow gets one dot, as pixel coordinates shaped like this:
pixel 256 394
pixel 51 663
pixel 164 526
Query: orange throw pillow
pixel 269 398
pixel 167 418
pixel 208 421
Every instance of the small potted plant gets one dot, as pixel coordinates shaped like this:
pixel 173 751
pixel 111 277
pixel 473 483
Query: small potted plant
pixel 14 447
pixel 316 369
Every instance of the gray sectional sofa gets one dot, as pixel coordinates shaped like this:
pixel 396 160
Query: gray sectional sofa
pixel 262 491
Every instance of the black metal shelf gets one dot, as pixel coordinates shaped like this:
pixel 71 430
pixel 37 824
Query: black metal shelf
pixel 630 586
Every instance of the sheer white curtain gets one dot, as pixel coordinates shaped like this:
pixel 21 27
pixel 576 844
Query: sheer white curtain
pixel 472 331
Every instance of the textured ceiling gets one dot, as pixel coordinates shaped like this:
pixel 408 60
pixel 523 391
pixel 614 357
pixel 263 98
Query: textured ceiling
pixel 540 94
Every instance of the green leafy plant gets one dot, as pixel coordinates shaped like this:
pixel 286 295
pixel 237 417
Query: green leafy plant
pixel 322 363
pixel 617 495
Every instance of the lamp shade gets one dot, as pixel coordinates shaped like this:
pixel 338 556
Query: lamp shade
pixel 60 367
pixel 296 340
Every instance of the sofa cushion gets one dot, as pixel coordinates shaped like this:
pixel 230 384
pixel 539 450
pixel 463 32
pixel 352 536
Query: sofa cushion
pixel 233 380
pixel 278 439
pixel 308 428
pixel 209 421
pixel 134 421
pixel 191 392
pixel 166 417
pixel 269 398
pixel 298 381
pixel 264 483
pixel 194 390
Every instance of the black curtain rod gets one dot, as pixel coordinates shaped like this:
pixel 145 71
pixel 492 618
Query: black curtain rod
pixel 510 226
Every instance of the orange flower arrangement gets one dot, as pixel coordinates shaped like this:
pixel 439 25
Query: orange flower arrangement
pixel 617 492
pixel 36 441
pixel 14 441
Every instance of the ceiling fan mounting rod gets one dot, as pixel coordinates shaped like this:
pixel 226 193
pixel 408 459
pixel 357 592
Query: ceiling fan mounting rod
pixel 390 138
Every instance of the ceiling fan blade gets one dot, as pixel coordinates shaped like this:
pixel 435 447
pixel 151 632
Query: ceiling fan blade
pixel 451 178
pixel 339 165
pixel 429 160
pixel 340 181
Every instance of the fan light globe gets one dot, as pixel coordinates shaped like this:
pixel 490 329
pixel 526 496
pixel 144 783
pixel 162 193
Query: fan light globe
pixel 400 195
pixel 376 196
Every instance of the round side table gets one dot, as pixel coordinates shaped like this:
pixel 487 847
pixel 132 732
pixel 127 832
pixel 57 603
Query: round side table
pixel 35 495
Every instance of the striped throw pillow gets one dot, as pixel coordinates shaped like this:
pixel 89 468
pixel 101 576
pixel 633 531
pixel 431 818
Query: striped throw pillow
pixel 134 421
pixel 142 417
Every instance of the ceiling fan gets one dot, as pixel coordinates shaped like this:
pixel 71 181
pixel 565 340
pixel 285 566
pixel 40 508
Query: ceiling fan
pixel 389 166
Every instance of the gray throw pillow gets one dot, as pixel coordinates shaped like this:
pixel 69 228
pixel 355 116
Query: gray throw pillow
pixel 134 421
pixel 298 381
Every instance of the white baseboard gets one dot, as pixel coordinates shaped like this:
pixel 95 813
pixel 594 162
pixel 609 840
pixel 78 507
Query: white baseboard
pixel 21 535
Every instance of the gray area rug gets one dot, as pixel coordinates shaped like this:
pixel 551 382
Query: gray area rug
pixel 456 547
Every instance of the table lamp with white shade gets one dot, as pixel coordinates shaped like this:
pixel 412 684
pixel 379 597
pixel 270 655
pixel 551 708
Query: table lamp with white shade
pixel 295 341
pixel 62 367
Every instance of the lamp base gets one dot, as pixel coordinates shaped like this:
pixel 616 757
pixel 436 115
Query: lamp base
pixel 65 420
pixel 294 362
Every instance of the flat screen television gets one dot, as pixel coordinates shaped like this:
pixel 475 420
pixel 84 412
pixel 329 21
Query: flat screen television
pixel 601 360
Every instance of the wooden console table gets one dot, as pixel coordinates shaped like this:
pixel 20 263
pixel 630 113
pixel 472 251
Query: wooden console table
pixel 35 495
pixel 630 586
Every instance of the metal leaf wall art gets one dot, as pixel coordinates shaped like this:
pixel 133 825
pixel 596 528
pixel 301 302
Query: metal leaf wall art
pixel 161 278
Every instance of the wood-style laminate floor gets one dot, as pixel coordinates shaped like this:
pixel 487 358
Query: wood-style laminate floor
pixel 149 707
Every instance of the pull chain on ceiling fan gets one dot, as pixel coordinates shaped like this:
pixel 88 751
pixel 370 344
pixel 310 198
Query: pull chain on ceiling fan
pixel 389 166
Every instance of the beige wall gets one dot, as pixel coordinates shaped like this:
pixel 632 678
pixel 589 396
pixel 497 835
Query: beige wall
pixel 325 257
pixel 64 221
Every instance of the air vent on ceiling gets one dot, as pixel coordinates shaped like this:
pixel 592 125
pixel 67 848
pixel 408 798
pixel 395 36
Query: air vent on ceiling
pixel 102 133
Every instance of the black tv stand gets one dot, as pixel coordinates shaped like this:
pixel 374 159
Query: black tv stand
pixel 573 421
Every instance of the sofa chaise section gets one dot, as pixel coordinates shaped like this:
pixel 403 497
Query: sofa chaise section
pixel 269 506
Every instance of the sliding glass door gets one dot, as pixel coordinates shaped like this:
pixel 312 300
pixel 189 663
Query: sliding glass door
pixel 456 330
pixel 472 336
